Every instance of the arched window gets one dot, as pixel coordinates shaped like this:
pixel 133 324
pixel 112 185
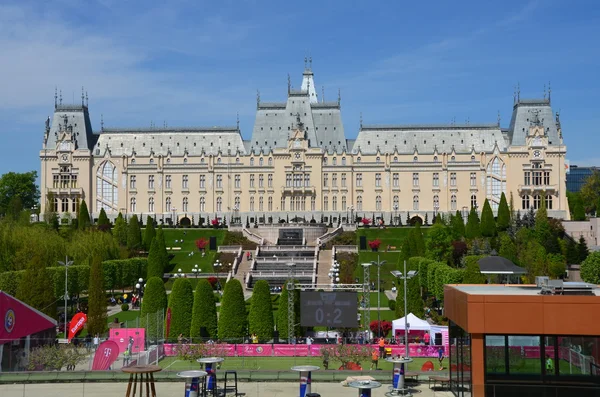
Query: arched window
pixel 525 204
pixel 270 204
pixel 334 161
pixel 56 204
pixel 218 160
pixel 184 204
pixel 65 204
pixel 219 204
pixel 132 206
pixel 474 201
pixel 237 160
pixel 395 159
pixel 537 201
pixel 359 203
pixel 472 158
pixel 415 159
pixel 396 203
pixel 203 204
pixel 453 202
pixel 453 158
pixel 270 161
pixel 151 204
pixel 378 203
pixel 237 202
pixel 252 161
pixel 415 203
pixel 313 203
pixel 435 159
pixel 168 204
pixel 260 161
pixel 343 161
pixel 378 159
pixel 283 203
pixel 107 191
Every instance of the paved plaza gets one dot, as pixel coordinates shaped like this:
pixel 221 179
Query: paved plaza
pixel 176 389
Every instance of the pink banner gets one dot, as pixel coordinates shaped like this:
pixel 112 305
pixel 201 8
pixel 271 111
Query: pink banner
pixel 106 354
pixel 254 350
pixel 18 320
pixel 121 337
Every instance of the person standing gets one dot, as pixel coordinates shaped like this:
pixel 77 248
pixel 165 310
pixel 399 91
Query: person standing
pixel 309 341
pixel 96 342
pixel 374 359
pixel 441 357
pixel 426 338
pixel 381 347
pixel 549 365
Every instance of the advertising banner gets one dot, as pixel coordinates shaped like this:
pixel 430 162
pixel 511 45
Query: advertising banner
pixel 121 336
pixel 77 323
pixel 105 356
pixel 257 350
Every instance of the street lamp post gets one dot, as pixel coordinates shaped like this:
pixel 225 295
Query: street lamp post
pixel 378 264
pixel 196 271
pixel 66 264
pixel 405 276
pixel 140 288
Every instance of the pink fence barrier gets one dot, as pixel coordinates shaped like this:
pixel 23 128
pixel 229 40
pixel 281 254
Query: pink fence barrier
pixel 268 350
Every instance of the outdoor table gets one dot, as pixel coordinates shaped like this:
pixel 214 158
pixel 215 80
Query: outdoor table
pixel 141 370
pixel 192 382
pixel 305 377
pixel 208 366
pixel 398 380
pixel 364 387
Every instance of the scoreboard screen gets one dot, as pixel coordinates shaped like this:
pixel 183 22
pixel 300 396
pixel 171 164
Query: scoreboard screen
pixel 328 309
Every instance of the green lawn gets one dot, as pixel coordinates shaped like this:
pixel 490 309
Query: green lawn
pixel 125 316
pixel 382 297
pixel 279 363
pixel 182 260
pixel 392 263
pixel 392 236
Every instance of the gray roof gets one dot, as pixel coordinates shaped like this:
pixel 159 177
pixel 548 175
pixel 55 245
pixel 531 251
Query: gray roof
pixel 176 140
pixel 526 112
pixel 75 118
pixel 427 138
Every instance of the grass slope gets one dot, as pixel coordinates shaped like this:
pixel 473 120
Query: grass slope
pixel 182 260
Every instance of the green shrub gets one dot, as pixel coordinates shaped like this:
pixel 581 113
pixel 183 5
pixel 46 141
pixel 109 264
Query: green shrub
pixel 125 307
pixel 260 318
pixel 233 317
pixel 392 304
pixel 181 301
pixel 204 312
pixel 153 308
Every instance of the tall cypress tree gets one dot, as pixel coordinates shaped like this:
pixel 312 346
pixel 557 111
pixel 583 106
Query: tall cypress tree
pixel 103 221
pixel 162 247
pixel 472 230
pixel 156 266
pixel 154 305
pixel 488 225
pixel 204 313
pixel 149 232
pixel 120 230
pixel 96 316
pixel 457 224
pixel 503 221
pixel 582 249
pixel 181 301
pixel 33 287
pixel 134 234
pixel 83 217
pixel 260 318
pixel 572 255
pixel 233 318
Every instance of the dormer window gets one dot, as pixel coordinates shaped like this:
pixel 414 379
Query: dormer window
pixel 435 159
pixel 185 160
pixel 324 160
pixel 452 158
pixel 472 158
pixel 168 160
pixel 378 159
pixel 415 159
pixel 260 161
pixel 219 160
pixel 252 161
pixel 202 161
pixel 132 161
pixel 395 159
pixel 358 159
pixel 151 161
pixel 237 160
pixel 270 161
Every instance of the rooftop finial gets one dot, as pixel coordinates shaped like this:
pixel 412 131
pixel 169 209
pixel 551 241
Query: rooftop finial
pixel 60 97
pixel 82 97
pixel 498 118
pixel 544 91
pixel 305 62
pixel 549 91
pixel 257 98
pixel 238 120
pixel 339 97
pixel 101 122
pixel 361 120
pixel 310 63
pixel 519 92
pixel 55 97
pixel 289 84
pixel 86 100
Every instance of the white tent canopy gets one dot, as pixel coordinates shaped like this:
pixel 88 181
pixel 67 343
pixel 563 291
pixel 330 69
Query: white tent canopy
pixel 415 324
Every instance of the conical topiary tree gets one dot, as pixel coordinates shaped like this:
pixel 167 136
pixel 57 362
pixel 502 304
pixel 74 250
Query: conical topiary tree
pixel 162 247
pixel 260 318
pixel 181 301
pixel 204 313
pixel 103 222
pixel 83 217
pixel 96 316
pixel 149 232
pixel 503 220
pixel 488 225
pixel 120 230
pixel 457 224
pixel 134 234
pixel 472 230
pixel 156 266
pixel 154 305
pixel 233 317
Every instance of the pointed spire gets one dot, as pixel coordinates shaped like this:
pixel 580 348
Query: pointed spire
pixel 544 91
pixel 305 63
pixel 257 98
pixel 339 97
pixel 361 121
pixel 289 84
pixel 82 97
pixel 238 121
pixel 514 95
pixel 498 118
pixel 519 92
pixel 549 91
pixel 60 97
pixel 86 100
pixel 101 122
pixel 55 97
pixel 310 63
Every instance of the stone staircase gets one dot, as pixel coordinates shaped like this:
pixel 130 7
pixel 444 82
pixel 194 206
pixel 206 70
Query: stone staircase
pixel 243 269
pixel 323 267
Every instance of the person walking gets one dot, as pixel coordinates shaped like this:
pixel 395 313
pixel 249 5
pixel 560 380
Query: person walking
pixel 374 359
pixel 441 357
pixel 381 347
pixel 309 341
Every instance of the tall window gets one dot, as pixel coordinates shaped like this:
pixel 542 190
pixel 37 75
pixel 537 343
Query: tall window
pixel 297 180
pixel 546 178
pixel 202 181
pixel 252 161
pixel 251 181
pixel 436 179
pixel 184 204
pixel 260 161
pixel 202 204
pixel 325 180
pixel 358 180
pixel 260 203
pixel 537 178
pixel 132 206
pixel 343 161
pixel 415 179
pixel 168 204
pixel 527 178
pixel 283 203
pixel 167 181
pixel 415 203
pixel 288 180
pixel 334 161
pixel 270 203
pixel 150 181
pixel 473 179
pixel 396 179
pixel 270 161
pixel 219 204
pixel 56 204
pixel 238 181
pixel 132 179
pixel 303 203
pixel 56 185
pixel 334 202
pixel 107 191
pixel 453 179
pixel 359 203
pixel 270 180
pixel 306 180
pixel 453 202
pixel 436 202
pixel 344 203
pixel 378 203
pixel 378 180
pixel 313 203
pixel 261 180
pixel 252 204
pixel 237 202
pixel 537 201
pixel 325 203
pixel 473 201
pixel 219 181
pixel 65 204
pixel 525 202
pixel 184 182
pixel 334 179
pixel 151 204
pixel 549 202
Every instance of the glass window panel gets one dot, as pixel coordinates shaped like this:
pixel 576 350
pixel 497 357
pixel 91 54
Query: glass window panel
pixel 495 354
pixel 576 354
pixel 524 355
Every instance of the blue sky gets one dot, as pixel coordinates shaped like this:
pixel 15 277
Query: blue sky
pixel 199 62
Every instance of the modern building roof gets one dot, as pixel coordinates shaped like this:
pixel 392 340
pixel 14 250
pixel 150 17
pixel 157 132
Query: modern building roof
pixel 510 289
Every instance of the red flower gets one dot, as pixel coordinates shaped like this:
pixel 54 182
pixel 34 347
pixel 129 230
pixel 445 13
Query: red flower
pixel 366 221
pixel 201 243
pixel 375 244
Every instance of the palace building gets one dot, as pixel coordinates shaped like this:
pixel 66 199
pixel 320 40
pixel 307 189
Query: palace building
pixel 299 163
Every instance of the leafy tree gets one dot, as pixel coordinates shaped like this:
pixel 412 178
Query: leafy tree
pixel 582 249
pixel 572 255
pixel 181 301
pixel 457 225
pixel 590 192
pixel 204 311
pixel 414 302
pixel 134 234
pixel 472 273
pixel 414 244
pixel 21 185
pixel 15 207
pixel 459 250
pixel 120 230
pixel 508 249
pixel 260 318
pixel 233 317
pixel 590 268
pixel 83 217
pixel 153 309
pixel 33 287
pixel 576 206
pixel 488 225
pixel 282 313
pixel 96 317
pixel 472 230
pixel 503 221
pixel 439 243
pixel 103 221
pixel 556 265
pixel 149 232
pixel 533 257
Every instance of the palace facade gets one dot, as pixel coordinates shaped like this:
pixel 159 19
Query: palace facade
pixel 300 163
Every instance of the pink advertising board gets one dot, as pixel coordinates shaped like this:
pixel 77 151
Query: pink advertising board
pixel 121 337
pixel 19 319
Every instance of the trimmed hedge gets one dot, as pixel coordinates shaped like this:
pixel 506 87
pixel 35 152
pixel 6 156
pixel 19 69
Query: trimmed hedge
pixel 204 312
pixel 181 301
pixel 233 317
